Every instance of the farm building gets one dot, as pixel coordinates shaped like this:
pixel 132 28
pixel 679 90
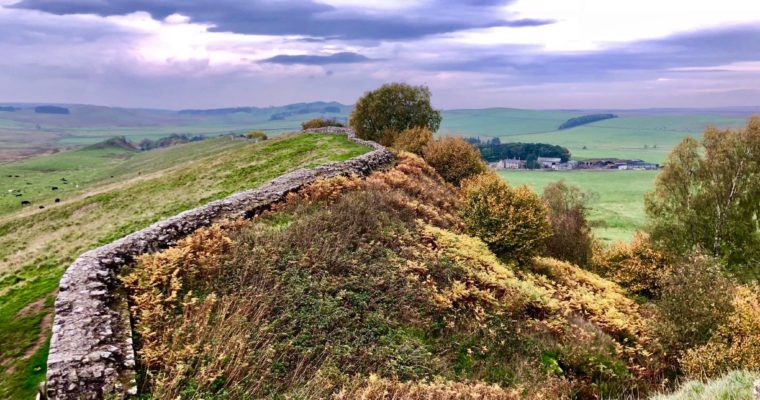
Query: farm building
pixel 566 166
pixel 549 162
pixel 638 165
pixel 509 164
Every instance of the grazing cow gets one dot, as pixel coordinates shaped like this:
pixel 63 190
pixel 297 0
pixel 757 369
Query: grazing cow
pixel 18 195
pixel 26 203
pixel 54 188
pixel 41 207
pixel 57 200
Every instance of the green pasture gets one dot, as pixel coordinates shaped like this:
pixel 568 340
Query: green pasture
pixel 617 208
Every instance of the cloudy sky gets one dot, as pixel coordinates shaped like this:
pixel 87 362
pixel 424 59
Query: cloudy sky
pixel 471 53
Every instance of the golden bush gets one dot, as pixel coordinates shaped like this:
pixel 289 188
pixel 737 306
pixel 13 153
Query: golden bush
pixel 414 185
pixel 637 266
pixel 256 135
pixel 454 159
pixel 512 221
pixel 413 140
pixel 735 344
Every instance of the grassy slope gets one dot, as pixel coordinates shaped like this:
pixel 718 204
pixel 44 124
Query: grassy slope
pixel 736 385
pixel 36 245
pixel 620 201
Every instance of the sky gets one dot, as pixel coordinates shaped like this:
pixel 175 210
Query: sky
pixel 541 54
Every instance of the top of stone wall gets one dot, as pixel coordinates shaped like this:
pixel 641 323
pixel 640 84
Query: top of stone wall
pixel 91 352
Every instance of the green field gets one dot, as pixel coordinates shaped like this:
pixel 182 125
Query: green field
pixel 617 209
pixel 646 137
pixel 119 192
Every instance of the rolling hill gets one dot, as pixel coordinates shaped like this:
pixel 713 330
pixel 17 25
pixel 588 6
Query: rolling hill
pixel 647 134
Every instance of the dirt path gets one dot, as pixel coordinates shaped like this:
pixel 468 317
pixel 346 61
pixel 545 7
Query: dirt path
pixel 45 326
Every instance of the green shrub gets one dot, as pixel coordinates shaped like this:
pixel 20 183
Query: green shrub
pixel 512 221
pixel 695 299
pixel 321 123
pixel 256 135
pixel 413 140
pixel 571 239
pixel 381 114
pixel 736 342
pixel 454 159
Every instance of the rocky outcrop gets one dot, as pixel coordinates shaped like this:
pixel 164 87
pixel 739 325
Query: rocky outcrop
pixel 91 353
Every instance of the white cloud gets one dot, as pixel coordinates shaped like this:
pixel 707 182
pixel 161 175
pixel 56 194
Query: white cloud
pixel 584 25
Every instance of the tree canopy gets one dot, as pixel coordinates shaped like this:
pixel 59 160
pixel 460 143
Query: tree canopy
pixel 381 114
pixel 707 195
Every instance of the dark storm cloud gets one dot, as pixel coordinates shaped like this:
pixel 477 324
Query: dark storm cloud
pixel 306 17
pixel 696 49
pixel 337 58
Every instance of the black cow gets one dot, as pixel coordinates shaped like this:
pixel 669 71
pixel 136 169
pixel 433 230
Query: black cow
pixel 41 207
pixel 57 200
pixel 26 203
pixel 54 188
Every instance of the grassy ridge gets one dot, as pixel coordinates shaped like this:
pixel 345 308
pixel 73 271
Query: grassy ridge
pixel 37 244
pixel 618 207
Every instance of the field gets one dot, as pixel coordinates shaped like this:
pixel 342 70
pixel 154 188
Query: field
pixel 118 192
pixel 646 137
pixel 617 209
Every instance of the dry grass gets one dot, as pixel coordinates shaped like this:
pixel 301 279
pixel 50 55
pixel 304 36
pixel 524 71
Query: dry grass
pixel 357 277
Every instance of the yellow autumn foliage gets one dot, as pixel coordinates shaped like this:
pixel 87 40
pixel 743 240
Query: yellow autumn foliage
pixel 512 221
pixel 735 345
pixel 413 140
pixel 637 265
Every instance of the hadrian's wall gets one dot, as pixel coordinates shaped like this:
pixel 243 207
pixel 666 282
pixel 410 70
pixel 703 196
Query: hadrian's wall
pixel 91 354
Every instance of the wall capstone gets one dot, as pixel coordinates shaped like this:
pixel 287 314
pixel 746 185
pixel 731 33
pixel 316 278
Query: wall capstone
pixel 91 352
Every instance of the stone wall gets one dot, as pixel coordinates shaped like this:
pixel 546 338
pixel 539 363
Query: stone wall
pixel 91 354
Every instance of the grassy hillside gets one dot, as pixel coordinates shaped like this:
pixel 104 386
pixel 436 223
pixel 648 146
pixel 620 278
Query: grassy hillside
pixel 737 385
pixel 119 192
pixel 618 206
